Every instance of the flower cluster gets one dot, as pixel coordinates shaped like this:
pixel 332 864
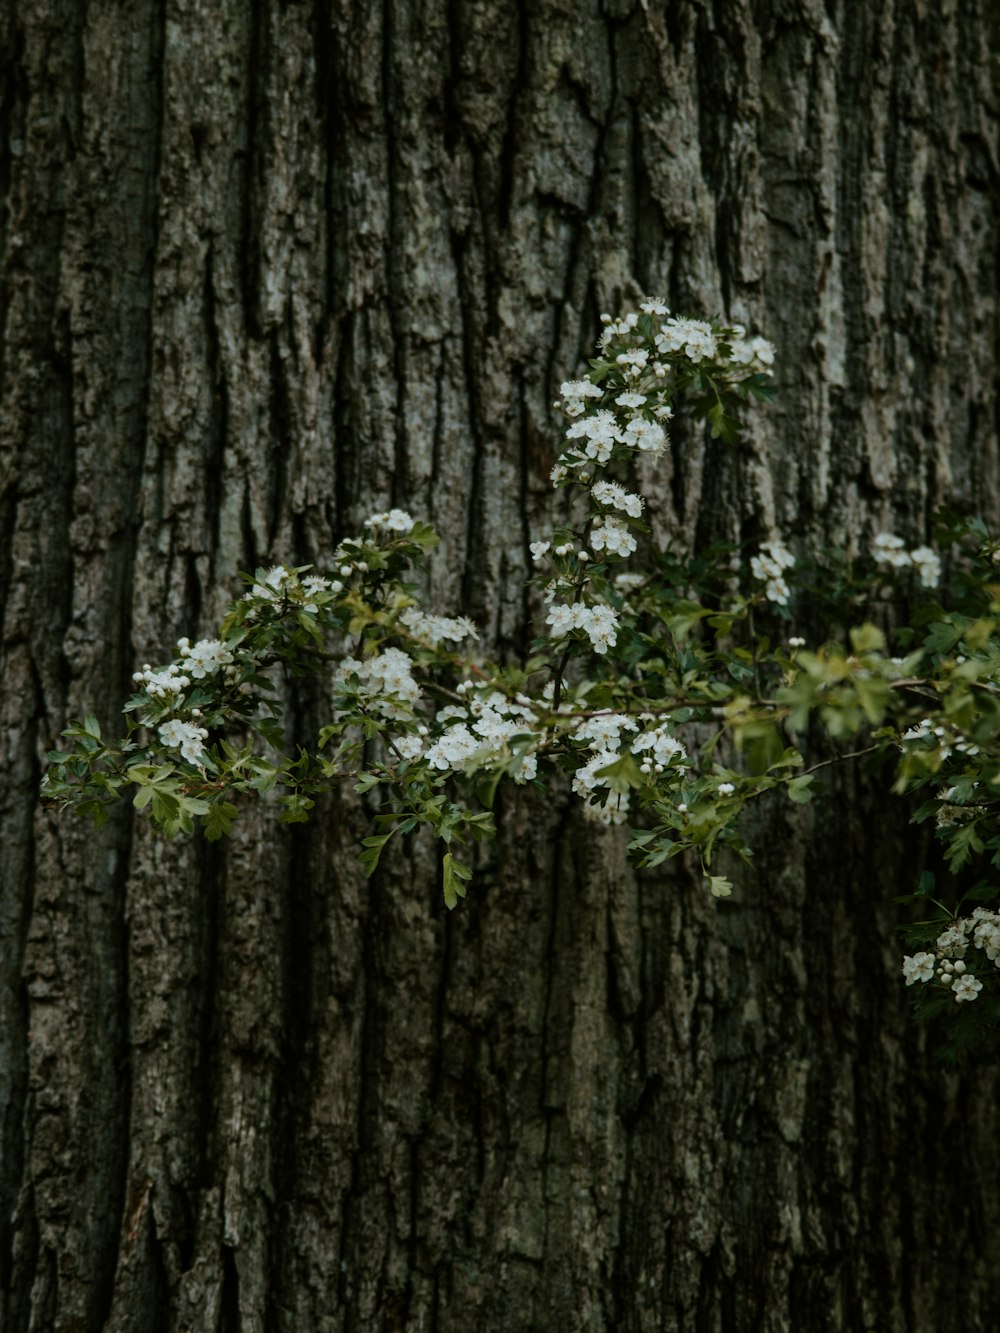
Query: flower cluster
pixel 947 966
pixel 480 735
pixel 187 737
pixel 206 657
pixel 769 566
pixel 385 682
pixel 599 623
pixel 890 550
pixel 277 586
pixel 435 629
pixel 392 520
pixel 166 683
pixel 429 729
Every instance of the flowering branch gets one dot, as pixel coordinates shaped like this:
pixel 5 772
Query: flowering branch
pixel 629 669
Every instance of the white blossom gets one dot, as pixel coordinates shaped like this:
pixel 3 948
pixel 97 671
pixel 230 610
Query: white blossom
pixel 599 623
pixel 692 336
pixel 612 535
pixel 928 566
pixel 604 728
pixel 919 967
pixel 951 943
pixel 392 520
pixel 275 582
pixel 966 988
pixel 184 736
pixel 613 495
pixel 649 436
pixel 205 658
pixel 435 629
pixel 170 681
pixel 386 674
pixel 768 567
pixel 666 749
pixel 888 549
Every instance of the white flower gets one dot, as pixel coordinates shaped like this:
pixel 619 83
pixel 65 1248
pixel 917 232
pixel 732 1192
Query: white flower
pixel 386 674
pixel 966 988
pixel 206 657
pixel 580 389
pixel 630 399
pixel 612 535
pixel 888 549
pixel 692 336
pixel 629 582
pixel 756 354
pixel 768 566
pixel 649 436
pixel 184 736
pixel 601 626
pixel 617 497
pixel 600 623
pixel 586 779
pixel 162 684
pixel 273 587
pixel 928 566
pixel 605 728
pixel 454 749
pixel 434 629
pixel 601 433
pixel 312 584
pixel 654 305
pixel 538 550
pixel 951 942
pixel 392 520
pixel 408 747
pixel 664 747
pixel 726 789
pixel 633 361
pixel 919 967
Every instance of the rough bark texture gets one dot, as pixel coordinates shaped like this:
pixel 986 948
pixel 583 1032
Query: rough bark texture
pixel 267 266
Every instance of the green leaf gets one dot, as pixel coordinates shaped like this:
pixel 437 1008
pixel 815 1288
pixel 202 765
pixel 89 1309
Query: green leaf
pixel 720 886
pixel 373 850
pixel 456 876
pixel 799 789
pixel 961 846
pixel 219 819
pixel 683 617
pixel 867 639
pixel 622 774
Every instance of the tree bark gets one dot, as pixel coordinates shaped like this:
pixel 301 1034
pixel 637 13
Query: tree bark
pixel 267 267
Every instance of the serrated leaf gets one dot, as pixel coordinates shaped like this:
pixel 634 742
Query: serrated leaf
pixel 455 877
pixel 219 820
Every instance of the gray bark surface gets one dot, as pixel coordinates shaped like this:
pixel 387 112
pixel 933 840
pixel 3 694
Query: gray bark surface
pixel 265 268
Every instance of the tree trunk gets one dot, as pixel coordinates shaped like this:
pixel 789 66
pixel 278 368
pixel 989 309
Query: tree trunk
pixel 267 267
